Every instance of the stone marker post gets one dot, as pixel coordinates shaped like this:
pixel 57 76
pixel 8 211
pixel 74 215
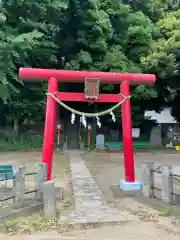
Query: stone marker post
pixel 147 179
pixel 40 180
pixel 19 185
pixel 100 142
pixel 167 184
pixel 49 197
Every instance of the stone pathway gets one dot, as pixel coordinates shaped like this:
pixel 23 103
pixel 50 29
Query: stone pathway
pixel 90 203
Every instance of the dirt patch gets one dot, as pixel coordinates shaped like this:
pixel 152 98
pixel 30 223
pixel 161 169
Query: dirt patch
pixel 108 170
pixel 61 174
pixel 130 231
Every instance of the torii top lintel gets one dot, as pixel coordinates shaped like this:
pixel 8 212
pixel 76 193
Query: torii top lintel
pixel 80 76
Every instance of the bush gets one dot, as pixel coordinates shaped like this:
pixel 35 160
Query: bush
pixel 23 142
pixel 176 143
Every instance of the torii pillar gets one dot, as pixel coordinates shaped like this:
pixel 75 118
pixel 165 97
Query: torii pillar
pixel 123 79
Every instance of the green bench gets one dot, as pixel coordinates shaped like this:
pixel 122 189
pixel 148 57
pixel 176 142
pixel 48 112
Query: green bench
pixel 119 145
pixel 6 172
pixel 141 145
pixel 136 145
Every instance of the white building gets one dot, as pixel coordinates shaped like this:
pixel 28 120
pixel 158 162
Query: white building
pixel 163 117
pixel 167 124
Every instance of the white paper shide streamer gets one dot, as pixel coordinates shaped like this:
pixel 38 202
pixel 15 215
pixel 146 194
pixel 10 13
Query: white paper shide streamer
pixel 98 122
pixel 73 118
pixel 83 121
pixel 113 116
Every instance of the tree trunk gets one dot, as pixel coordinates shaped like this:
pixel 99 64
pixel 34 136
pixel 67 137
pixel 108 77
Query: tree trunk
pixel 94 125
pixel 73 138
pixel 16 127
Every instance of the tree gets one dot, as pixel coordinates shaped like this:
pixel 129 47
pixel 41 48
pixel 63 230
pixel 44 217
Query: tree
pixel 164 52
pixel 108 36
pixel 154 9
pixel 171 5
pixel 163 58
pixel 91 35
pixel 131 41
pixel 28 37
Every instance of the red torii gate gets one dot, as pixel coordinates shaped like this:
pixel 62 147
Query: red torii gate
pixel 123 79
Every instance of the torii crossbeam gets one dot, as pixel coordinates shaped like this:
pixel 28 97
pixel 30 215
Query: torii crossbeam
pixel 91 94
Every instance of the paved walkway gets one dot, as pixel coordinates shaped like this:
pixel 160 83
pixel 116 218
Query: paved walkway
pixel 90 203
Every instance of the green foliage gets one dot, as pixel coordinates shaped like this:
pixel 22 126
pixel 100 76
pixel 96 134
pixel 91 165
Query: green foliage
pixel 166 212
pixel 166 47
pixel 176 143
pixel 28 37
pixel 163 59
pixel 151 8
pixel 24 142
pixel 105 35
pixel 29 104
pixel 172 5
